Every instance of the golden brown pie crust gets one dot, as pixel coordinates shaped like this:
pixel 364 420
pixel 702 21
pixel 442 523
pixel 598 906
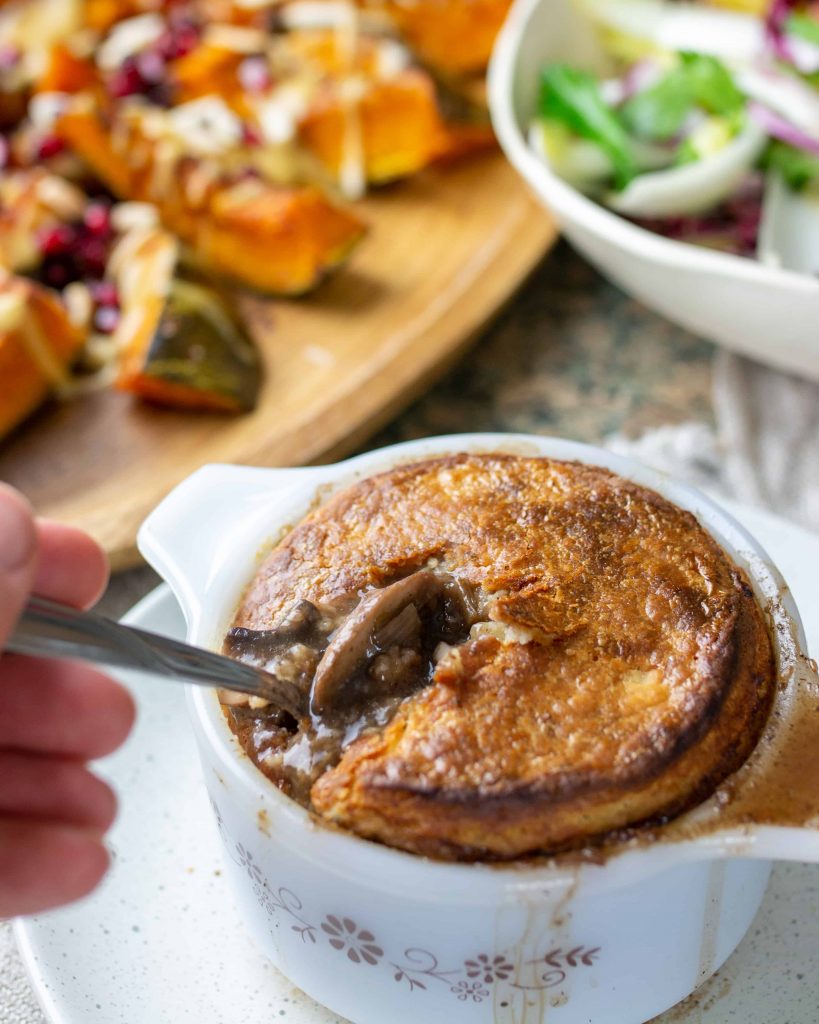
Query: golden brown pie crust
pixel 636 672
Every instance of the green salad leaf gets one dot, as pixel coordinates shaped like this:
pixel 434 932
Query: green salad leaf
pixel 798 168
pixel 803 26
pixel 573 97
pixel 658 112
pixel 711 85
pixel 699 80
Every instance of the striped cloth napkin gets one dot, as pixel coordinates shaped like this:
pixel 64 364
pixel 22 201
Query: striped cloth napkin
pixel 763 449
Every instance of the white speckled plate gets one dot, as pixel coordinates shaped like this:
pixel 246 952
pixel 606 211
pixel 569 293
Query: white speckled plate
pixel 161 943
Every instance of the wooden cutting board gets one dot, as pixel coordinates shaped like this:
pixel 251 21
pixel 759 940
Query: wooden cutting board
pixel 444 252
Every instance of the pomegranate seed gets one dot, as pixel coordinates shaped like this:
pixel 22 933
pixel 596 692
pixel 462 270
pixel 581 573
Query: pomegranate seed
pixel 106 319
pixel 126 81
pixel 254 75
pixel 56 241
pixel 179 40
pixel 49 147
pixel 151 66
pixel 165 46
pixel 56 274
pixel 97 218
pixel 186 37
pixel 250 135
pixel 92 253
pixel 104 293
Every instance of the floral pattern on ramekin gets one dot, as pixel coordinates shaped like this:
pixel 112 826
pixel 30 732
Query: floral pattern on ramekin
pixel 415 968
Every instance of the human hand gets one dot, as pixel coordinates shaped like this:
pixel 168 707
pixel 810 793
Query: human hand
pixel 54 716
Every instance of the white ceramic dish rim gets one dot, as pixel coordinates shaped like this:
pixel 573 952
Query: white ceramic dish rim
pixel 240 531
pixel 576 208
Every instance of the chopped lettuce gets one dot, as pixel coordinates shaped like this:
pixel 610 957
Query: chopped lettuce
pixel 573 97
pixel 711 85
pixel 659 112
pixel 803 27
pixel 699 80
pixel 797 167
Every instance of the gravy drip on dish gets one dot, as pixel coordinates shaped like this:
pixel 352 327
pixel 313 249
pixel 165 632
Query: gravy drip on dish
pixel 505 655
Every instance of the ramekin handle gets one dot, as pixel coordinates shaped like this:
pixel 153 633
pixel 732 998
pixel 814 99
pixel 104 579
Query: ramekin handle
pixel 179 538
pixel 783 842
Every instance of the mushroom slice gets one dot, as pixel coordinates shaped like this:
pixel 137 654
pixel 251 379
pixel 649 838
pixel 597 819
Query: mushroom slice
pixel 462 607
pixel 356 640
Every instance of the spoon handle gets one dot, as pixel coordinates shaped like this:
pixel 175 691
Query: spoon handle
pixel 52 630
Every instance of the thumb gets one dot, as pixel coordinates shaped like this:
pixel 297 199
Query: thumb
pixel 18 556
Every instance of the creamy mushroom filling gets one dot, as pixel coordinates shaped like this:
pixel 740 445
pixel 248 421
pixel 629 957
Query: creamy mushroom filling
pixel 357 663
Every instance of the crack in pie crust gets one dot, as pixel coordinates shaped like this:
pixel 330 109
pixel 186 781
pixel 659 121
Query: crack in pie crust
pixel 610 665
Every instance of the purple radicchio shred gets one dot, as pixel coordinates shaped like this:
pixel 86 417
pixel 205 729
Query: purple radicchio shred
pixel 775 35
pixel 779 127
pixel 731 227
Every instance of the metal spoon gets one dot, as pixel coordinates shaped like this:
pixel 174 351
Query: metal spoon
pixel 52 630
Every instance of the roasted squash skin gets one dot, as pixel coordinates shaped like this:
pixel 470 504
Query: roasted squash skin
pixel 38 344
pixel 270 238
pixel 180 344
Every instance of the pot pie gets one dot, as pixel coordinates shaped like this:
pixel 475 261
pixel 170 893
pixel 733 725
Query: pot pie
pixel 504 656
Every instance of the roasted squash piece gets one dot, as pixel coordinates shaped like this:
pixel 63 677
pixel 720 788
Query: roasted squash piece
pixel 65 71
pixel 392 130
pixel 38 344
pixel 456 36
pixel 209 70
pixel 180 345
pixel 102 14
pixel 374 114
pixel 86 134
pixel 361 115
pixel 273 238
pixel 268 237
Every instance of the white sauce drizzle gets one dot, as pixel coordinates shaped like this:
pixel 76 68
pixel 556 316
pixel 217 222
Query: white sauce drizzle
pixel 36 343
pixel 127 38
pixel 352 175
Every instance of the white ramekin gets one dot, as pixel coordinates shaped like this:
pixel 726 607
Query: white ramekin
pixel 379 935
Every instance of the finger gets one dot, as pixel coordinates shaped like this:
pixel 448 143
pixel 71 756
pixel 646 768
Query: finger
pixel 18 548
pixel 43 865
pixel 61 707
pixel 54 789
pixel 71 567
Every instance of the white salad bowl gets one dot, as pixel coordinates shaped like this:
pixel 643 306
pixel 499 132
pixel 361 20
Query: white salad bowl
pixel 380 935
pixel 760 311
